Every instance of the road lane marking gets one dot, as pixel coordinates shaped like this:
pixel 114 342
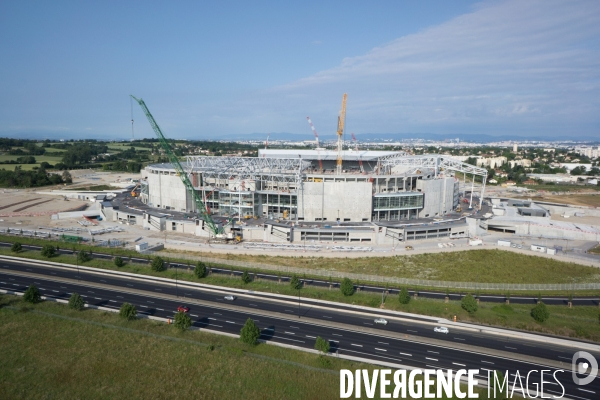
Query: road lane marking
pixel 312 337
pixel 487 362
pixel 141 305
pixel 289 333
pixel 432 359
pixel 217 313
pixel 214 319
pixel 380 349
pixel 113 301
pixel 406 354
pixel 431 351
pixel 335 334
pixel 220 326
pixel 229 322
pixel 293 340
pixel 383 343
pixel 160 309
pixel 55 291
pixel 412 331
pixel 512 348
pixel 194 315
pixel 585 390
pixel 254 305
pixel 357 345
pixel 458 338
pixel 97 298
pixel 461 365
pixel 294 327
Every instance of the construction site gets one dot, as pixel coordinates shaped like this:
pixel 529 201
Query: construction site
pixel 343 199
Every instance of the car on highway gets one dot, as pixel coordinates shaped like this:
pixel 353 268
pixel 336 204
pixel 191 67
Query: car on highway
pixel 183 309
pixel 229 297
pixel 381 321
pixel 441 329
pixel 409 248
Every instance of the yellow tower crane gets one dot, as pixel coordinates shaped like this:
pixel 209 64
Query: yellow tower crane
pixel 340 132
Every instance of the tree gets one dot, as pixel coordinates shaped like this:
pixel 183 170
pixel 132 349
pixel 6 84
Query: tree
pixel 404 296
pixel 347 287
pixel 66 176
pixel 128 311
pixel 469 304
pixel 82 256
pixel 246 278
pixel 250 332
pixel 32 295
pixel 182 321
pixel 76 302
pixel 540 312
pixel 119 261
pixel 322 345
pixel 48 251
pixel 200 269
pixel 158 264
pixel 295 283
pixel 16 247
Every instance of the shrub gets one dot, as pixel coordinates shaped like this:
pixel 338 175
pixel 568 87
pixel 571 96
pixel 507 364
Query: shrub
pixel 347 287
pixel 250 332
pixel 32 294
pixel 322 345
pixel 48 251
pixel 158 264
pixel 295 283
pixel 16 247
pixel 182 321
pixel 82 256
pixel 128 311
pixel 200 269
pixel 76 302
pixel 469 304
pixel 404 296
pixel 246 278
pixel 119 262
pixel 540 312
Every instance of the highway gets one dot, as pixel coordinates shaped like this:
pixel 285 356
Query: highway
pixel 380 343
pixel 577 300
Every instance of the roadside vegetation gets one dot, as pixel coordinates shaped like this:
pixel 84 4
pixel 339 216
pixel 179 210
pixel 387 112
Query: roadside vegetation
pixel 136 355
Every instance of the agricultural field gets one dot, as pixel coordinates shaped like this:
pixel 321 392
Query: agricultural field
pixel 27 167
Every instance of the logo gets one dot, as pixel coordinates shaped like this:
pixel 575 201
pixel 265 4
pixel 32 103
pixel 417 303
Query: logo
pixel 581 368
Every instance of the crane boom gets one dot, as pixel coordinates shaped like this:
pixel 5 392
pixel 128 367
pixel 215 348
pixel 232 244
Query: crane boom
pixel 340 132
pixel 204 214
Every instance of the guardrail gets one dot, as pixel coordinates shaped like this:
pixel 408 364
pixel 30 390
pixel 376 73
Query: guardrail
pixel 382 280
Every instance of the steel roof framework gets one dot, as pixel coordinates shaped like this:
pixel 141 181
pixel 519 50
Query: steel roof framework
pixel 284 170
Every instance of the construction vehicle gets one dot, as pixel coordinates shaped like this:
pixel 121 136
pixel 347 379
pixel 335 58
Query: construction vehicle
pixel 216 230
pixel 133 191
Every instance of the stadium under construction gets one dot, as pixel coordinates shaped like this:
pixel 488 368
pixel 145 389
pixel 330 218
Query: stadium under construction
pixel 298 195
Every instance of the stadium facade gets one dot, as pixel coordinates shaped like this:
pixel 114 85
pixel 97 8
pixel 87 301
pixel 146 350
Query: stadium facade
pixel 301 185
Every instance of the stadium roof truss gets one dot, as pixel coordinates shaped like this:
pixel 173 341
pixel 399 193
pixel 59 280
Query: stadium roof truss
pixel 435 162
pixel 247 168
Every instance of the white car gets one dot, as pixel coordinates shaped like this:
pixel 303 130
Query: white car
pixel 381 321
pixel 441 329
pixel 229 297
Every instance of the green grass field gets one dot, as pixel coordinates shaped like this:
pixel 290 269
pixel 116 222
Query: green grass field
pixel 27 167
pixel 52 352
pixel 490 266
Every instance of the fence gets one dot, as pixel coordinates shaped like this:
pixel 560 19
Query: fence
pixel 380 280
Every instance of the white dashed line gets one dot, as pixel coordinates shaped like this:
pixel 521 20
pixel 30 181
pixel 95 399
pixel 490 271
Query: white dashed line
pixel 406 354
pixel 380 349
pixel 432 359
pixel 357 345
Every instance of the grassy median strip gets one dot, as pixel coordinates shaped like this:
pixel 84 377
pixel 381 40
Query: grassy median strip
pixel 578 322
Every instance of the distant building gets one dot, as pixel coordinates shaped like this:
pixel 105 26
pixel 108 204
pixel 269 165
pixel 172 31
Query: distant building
pixel 515 148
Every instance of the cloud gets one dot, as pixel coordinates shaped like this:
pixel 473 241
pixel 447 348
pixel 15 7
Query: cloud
pixel 525 66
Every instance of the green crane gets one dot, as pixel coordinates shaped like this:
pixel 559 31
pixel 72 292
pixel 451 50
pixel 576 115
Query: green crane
pixel 204 214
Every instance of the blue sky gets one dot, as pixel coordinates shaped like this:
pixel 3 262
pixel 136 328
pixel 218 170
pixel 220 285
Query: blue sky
pixel 212 69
